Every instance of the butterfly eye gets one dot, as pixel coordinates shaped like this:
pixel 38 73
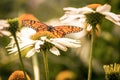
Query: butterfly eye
pixel 50 28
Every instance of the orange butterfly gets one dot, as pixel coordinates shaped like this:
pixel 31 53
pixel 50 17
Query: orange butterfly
pixel 57 31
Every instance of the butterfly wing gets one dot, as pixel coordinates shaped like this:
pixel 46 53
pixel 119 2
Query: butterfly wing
pixel 36 25
pixel 31 21
pixel 26 17
pixel 61 31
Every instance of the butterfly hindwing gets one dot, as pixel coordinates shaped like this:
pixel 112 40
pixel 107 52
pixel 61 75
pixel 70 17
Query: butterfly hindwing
pixel 61 31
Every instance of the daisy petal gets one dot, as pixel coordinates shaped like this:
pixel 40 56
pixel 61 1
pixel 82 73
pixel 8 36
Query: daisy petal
pixel 43 38
pixel 65 39
pixel 30 53
pixel 104 8
pixel 71 18
pixel 4 23
pixel 37 45
pixel 67 42
pixel 27 32
pixel 55 51
pixel 7 33
pixel 112 17
pixel 83 10
pixel 59 46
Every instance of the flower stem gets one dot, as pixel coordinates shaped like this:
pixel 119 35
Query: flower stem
pixel 44 53
pixel 35 67
pixel 19 53
pixel 90 55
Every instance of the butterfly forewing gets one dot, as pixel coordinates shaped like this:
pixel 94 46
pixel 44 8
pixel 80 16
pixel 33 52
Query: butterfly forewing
pixel 36 25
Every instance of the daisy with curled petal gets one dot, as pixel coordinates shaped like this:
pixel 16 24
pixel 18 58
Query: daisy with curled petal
pixel 90 15
pixel 26 41
pixel 3 28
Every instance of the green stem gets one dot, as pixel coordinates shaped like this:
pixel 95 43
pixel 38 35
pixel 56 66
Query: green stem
pixel 90 55
pixel 35 67
pixel 19 53
pixel 44 53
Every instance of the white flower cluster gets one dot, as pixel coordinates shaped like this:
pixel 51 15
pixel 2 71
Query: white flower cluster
pixel 25 42
pixel 76 16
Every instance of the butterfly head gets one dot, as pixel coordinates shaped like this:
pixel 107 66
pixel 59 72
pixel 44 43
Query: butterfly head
pixel 50 28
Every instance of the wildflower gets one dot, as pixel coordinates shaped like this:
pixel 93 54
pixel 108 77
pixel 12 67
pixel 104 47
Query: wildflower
pixel 89 15
pixel 35 42
pixel 89 18
pixel 3 28
pixel 18 75
pixel 66 75
pixel 112 71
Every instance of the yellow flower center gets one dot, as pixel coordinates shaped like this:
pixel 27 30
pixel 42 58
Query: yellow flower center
pixel 42 33
pixel 94 18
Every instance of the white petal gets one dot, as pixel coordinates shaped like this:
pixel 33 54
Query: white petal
pixel 65 39
pixel 63 48
pixel 7 33
pixel 112 17
pixel 89 28
pixel 83 10
pixel 104 8
pixel 77 35
pixel 37 45
pixel 72 18
pixel 67 42
pixel 1 27
pixel 22 47
pixel 4 23
pixel 74 13
pixel 55 51
pixel 12 50
pixel 22 44
pixel 43 38
pixel 70 9
pixel 30 53
pixel 27 32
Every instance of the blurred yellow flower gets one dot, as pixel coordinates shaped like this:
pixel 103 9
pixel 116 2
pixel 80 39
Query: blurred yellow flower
pixel 18 75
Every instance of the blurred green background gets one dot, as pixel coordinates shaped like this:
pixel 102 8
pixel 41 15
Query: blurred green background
pixel 106 50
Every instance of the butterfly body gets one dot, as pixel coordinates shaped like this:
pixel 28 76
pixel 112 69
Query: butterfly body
pixel 50 28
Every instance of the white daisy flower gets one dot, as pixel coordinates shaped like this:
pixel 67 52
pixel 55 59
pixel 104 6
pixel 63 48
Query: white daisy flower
pixel 87 16
pixel 3 26
pixel 35 45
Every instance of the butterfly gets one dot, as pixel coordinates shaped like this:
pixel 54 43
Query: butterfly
pixel 57 31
